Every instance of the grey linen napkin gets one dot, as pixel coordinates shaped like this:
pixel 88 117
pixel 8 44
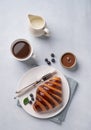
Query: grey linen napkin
pixel 62 115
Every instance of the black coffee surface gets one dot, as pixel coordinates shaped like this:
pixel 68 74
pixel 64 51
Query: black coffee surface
pixel 21 49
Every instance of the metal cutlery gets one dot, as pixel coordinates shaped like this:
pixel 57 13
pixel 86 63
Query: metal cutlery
pixel 33 85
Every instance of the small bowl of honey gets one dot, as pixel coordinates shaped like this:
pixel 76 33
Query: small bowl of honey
pixel 68 60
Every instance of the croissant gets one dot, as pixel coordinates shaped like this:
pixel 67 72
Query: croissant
pixel 48 95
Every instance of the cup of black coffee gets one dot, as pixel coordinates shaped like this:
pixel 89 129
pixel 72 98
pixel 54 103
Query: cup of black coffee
pixel 21 49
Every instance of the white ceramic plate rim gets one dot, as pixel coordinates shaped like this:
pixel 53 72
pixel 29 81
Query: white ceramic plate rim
pixel 49 114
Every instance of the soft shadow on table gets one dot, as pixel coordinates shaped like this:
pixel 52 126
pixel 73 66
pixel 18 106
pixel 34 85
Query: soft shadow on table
pixel 44 37
pixel 30 63
pixel 75 68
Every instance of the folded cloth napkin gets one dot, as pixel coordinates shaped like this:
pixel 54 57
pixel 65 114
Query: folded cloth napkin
pixel 62 115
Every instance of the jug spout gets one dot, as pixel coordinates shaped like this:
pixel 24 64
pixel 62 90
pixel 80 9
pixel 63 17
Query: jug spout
pixel 30 16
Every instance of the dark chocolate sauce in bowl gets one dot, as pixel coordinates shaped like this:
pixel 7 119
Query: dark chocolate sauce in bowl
pixel 21 49
pixel 68 60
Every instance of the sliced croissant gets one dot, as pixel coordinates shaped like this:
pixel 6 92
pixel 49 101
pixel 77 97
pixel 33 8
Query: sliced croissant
pixel 48 95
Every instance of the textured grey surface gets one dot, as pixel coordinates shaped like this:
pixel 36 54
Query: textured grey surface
pixel 70 24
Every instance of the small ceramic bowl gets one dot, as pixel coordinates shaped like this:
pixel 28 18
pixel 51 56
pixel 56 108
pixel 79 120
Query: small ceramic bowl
pixel 68 60
pixel 21 40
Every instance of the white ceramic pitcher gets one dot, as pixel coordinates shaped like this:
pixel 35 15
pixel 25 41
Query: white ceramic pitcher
pixel 38 25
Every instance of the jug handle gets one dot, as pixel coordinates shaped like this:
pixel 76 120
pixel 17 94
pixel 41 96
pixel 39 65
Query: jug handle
pixel 46 31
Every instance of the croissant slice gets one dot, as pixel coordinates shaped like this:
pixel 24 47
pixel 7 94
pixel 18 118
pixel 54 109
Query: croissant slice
pixel 48 95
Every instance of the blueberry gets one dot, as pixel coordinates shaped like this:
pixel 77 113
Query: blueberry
pixel 46 59
pixel 30 102
pixel 53 60
pixel 32 99
pixel 49 63
pixel 52 55
pixel 31 95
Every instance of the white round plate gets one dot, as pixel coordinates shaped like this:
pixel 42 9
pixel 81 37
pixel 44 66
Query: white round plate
pixel 35 74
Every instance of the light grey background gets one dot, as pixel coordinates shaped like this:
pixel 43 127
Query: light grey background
pixel 70 24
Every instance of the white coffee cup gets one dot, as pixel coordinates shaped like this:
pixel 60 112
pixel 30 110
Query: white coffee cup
pixel 38 26
pixel 19 48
